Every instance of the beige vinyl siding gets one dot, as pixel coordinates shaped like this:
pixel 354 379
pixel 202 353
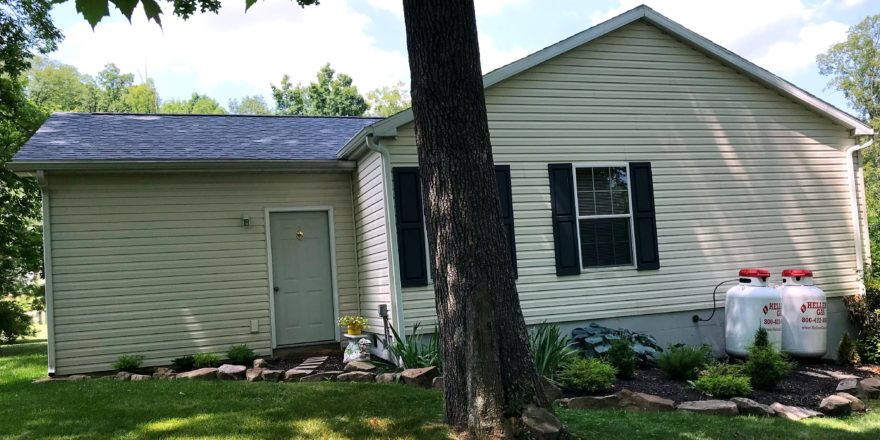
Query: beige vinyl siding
pixel 863 207
pixel 160 265
pixel 372 245
pixel 742 175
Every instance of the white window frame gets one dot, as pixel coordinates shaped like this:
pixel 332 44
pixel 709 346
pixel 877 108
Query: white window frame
pixel 579 217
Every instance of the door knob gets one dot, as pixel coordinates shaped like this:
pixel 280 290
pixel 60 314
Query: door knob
pixel 275 289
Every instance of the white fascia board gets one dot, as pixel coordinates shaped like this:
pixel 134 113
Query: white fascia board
pixel 27 167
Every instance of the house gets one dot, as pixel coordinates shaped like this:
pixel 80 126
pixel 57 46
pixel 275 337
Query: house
pixel 639 165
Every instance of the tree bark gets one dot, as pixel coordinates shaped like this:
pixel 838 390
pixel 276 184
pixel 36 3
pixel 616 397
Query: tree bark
pixel 488 368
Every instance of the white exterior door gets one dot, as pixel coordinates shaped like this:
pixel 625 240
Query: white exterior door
pixel 302 277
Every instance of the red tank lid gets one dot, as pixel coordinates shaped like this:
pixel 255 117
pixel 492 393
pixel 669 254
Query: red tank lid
pixel 797 273
pixel 755 273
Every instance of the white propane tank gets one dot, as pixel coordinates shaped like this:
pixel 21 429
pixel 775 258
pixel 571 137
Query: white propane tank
pixel 805 325
pixel 749 306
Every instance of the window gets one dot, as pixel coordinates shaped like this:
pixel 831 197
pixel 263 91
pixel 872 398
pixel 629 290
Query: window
pixel 604 215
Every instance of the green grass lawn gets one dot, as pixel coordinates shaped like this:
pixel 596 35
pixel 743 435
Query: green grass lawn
pixel 107 409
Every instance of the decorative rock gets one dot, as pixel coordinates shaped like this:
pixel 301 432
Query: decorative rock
pixel 164 373
pixel 437 383
pixel 231 372
pixel 322 376
pixel 869 388
pixel 200 374
pixel 272 375
pixel 794 413
pixel 387 378
pixel 541 424
pixel 295 374
pixel 591 402
pixel 551 392
pixel 713 407
pixel 359 366
pixel 253 374
pixel 841 404
pixel 356 376
pixel 848 385
pixel 749 407
pixel 839 375
pixel 261 363
pixel 420 377
pixel 140 377
pixel 639 402
pixel 123 375
pixel 78 377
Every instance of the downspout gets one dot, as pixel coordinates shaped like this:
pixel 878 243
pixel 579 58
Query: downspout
pixel 854 210
pixel 47 270
pixel 391 231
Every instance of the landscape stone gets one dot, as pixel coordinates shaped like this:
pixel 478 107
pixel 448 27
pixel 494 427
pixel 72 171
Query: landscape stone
pixel 261 363
pixel 322 376
pixel 356 376
pixel 164 373
pixel 253 374
pixel 123 375
pixel 839 375
pixel 712 407
pixel 869 388
pixel 200 374
pixel 359 366
pixel 841 404
pixel 551 392
pixel 43 380
pixel 420 377
pixel 591 402
pixel 295 374
pixel 231 372
pixel 437 383
pixel 794 413
pixel 387 377
pixel 639 402
pixel 77 377
pixel 749 407
pixel 140 377
pixel 541 424
pixel 848 385
pixel 272 375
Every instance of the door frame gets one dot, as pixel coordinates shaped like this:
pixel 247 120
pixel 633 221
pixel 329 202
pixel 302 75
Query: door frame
pixel 335 291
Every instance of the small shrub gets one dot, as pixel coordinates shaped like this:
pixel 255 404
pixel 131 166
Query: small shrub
pixel 206 360
pixel 684 362
pixel 128 362
pixel 622 357
pixel 588 375
pixel 723 381
pixel 847 352
pixel 864 315
pixel 551 349
pixel 241 355
pixel 765 366
pixel 415 354
pixel 14 322
pixel 183 363
pixel 595 340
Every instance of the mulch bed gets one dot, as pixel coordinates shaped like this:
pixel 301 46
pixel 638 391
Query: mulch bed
pixel 802 388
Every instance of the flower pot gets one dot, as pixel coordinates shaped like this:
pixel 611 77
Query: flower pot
pixel 354 330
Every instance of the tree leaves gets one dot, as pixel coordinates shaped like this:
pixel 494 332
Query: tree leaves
pixel 93 10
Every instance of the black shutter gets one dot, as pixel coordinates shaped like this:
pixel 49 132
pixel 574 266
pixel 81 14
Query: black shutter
pixel 502 176
pixel 565 224
pixel 644 217
pixel 410 227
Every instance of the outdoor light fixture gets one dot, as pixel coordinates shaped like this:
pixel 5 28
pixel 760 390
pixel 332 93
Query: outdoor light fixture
pixel 245 220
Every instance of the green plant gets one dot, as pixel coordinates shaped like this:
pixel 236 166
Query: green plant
pixel 205 360
pixel 723 381
pixel 847 352
pixel 14 322
pixel 588 375
pixel 241 355
pixel 550 348
pixel 353 321
pixel 595 340
pixel 128 362
pixel 622 357
pixel 864 315
pixel 183 363
pixel 415 354
pixel 765 366
pixel 684 362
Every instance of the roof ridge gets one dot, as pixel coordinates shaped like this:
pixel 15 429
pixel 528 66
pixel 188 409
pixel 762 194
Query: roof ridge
pixel 219 115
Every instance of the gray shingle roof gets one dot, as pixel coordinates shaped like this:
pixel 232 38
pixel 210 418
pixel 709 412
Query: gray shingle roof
pixel 101 136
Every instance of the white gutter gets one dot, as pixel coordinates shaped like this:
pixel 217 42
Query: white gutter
pixel 47 270
pixel 854 208
pixel 391 231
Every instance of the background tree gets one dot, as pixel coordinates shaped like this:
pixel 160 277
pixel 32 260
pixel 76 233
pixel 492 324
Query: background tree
pixel 54 86
pixel 142 98
pixel 249 105
pixel 26 30
pixel 854 68
pixel 113 86
pixel 332 95
pixel 387 101
pixel 196 104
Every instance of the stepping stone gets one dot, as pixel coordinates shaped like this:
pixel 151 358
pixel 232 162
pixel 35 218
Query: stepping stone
pixel 712 407
pixel 749 407
pixel 815 374
pixel 839 375
pixel 295 374
pixel 848 385
pixel 793 413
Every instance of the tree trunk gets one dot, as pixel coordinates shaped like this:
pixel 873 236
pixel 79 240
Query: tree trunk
pixel 489 371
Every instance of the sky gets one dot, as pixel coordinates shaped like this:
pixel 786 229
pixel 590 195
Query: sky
pixel 233 54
